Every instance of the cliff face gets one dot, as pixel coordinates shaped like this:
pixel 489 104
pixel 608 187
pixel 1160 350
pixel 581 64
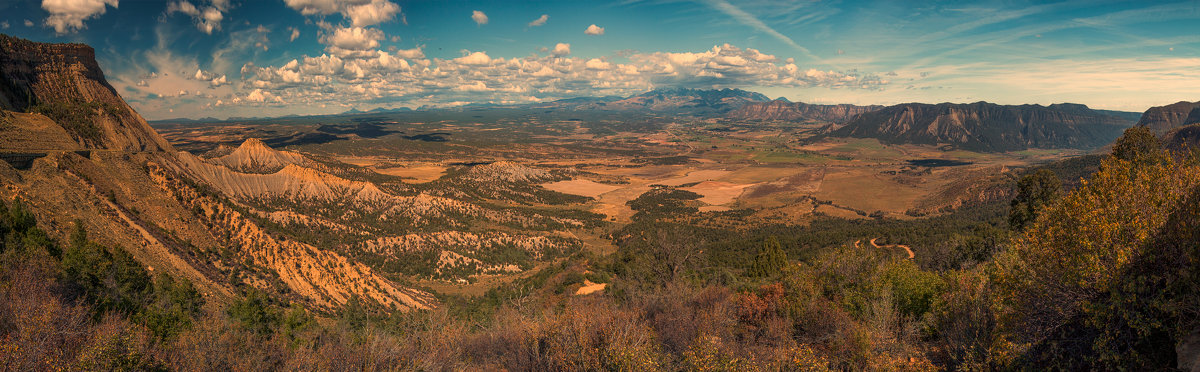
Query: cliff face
pixel 985 126
pixel 64 82
pixel 1163 119
pixel 799 111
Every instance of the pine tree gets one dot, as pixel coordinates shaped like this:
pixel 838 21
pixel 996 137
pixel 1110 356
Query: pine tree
pixel 1034 193
pixel 770 260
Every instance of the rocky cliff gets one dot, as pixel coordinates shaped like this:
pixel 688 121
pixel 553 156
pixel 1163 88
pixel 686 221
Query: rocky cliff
pixel 1162 119
pixel 64 83
pixel 983 126
pixel 798 111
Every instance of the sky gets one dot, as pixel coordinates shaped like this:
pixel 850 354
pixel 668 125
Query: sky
pixel 257 58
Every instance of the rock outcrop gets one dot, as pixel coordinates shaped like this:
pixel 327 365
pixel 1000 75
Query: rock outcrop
pixel 64 82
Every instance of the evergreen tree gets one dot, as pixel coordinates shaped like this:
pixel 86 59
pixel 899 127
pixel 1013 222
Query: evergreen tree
pixel 770 260
pixel 1034 193
pixel 1138 145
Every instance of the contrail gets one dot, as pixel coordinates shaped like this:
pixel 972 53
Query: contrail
pixel 752 21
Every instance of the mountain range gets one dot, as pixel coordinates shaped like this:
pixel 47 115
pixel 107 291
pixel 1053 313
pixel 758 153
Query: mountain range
pixel 984 126
pixel 782 110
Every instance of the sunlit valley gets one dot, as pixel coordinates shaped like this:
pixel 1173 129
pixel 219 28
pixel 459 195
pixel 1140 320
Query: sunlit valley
pixel 427 206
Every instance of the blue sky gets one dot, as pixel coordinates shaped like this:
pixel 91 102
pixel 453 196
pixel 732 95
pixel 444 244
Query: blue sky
pixel 221 58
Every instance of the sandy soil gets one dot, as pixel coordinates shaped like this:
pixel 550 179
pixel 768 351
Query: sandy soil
pixel 581 187
pixel 418 173
pixel 718 193
pixel 695 176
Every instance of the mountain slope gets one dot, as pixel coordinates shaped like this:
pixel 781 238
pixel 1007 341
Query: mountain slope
pixel 130 188
pixel 983 126
pixel 798 111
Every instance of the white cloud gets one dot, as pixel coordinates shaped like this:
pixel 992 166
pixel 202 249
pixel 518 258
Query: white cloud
pixel 312 7
pixel 207 19
pixel 479 18
pixel 407 76
pixel 594 30
pixel 295 34
pixel 597 64
pixel 352 41
pixel 540 21
pixel 4 25
pixel 68 15
pixel 360 13
pixel 373 13
pixel 28 23
pixel 562 49
pixel 474 59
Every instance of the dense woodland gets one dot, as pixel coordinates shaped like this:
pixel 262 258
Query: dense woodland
pixel 1098 274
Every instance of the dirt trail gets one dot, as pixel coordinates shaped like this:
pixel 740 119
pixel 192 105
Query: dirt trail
pixel 906 248
pixel 589 288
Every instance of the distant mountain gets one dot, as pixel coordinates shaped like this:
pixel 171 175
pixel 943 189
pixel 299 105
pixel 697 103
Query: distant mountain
pixel 681 100
pixel 983 126
pixel 798 111
pixel 1163 119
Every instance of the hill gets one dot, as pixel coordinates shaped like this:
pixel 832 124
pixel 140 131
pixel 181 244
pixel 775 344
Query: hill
pixel 988 127
pixel 798 111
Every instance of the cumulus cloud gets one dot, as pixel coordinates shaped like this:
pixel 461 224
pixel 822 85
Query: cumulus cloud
pixel 207 18
pixel 352 41
pixel 479 18
pixel 594 30
pixel 28 23
pixel 373 13
pixel 68 15
pixel 360 13
pixel 4 25
pixel 295 34
pixel 561 49
pixel 205 76
pixel 474 59
pixel 540 21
